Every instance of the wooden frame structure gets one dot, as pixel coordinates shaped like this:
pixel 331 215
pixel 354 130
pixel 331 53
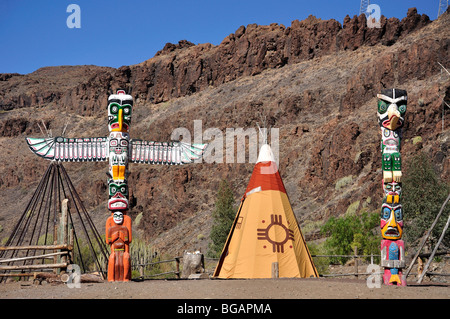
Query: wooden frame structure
pixel 48 224
pixel 425 238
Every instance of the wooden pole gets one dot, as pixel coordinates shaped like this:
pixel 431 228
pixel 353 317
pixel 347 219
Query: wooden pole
pixel 141 268
pixel 71 231
pixel 63 229
pixel 426 237
pixel 18 274
pixel 33 257
pixel 275 271
pixel 42 266
pixel 42 247
pixel 63 222
pixel 434 251
pixel 55 219
pixel 177 260
pixel 355 251
pixel 55 242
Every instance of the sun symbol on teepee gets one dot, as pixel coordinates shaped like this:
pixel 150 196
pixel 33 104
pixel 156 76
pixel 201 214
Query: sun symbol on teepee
pixel 276 221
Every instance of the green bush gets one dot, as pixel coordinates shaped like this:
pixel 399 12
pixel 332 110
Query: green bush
pixel 349 231
pixel 321 263
pixel 86 256
pixel 223 218
pixel 423 194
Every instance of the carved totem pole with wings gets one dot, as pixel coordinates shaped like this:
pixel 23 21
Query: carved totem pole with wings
pixel 118 149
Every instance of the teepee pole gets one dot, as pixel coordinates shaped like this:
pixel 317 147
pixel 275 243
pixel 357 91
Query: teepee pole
pixel 424 239
pixel 425 269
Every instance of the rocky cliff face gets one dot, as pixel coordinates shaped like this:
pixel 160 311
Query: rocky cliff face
pixel 316 81
pixel 184 68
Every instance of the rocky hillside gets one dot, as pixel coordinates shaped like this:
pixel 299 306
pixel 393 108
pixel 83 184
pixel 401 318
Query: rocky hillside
pixel 315 80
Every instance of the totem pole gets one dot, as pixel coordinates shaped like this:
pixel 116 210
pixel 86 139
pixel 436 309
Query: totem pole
pixel 118 149
pixel 391 112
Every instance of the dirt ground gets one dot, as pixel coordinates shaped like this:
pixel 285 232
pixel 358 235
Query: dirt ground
pixel 311 288
pixel 216 298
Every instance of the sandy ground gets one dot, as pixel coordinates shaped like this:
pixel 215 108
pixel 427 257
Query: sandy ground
pixel 272 298
pixel 312 288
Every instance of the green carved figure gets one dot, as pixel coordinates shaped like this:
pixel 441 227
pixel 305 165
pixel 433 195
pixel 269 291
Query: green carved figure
pixel 391 113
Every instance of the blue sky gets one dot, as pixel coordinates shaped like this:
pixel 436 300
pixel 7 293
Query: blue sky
pixel 113 33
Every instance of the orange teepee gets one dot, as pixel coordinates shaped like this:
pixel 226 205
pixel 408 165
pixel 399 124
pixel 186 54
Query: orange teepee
pixel 265 235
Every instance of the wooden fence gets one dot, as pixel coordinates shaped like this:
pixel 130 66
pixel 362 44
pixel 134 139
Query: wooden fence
pixel 176 260
pixel 213 261
pixel 141 267
pixel 356 258
pixel 65 252
pixel 60 257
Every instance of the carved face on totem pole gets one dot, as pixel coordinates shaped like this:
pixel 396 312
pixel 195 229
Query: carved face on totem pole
pixel 118 218
pixel 391 223
pixel 392 108
pixel 119 112
pixel 118 195
pixel 392 192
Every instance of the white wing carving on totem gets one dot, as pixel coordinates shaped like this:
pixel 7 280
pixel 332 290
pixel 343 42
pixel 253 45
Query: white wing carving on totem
pixel 168 153
pixel 96 149
pixel 90 149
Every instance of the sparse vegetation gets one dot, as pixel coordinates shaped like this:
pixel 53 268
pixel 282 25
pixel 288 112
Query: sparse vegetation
pixel 85 258
pixel 138 219
pixel 423 195
pixel 352 208
pixel 417 139
pixel 321 263
pixel 349 231
pixel 223 217
pixel 344 181
pixel 143 253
